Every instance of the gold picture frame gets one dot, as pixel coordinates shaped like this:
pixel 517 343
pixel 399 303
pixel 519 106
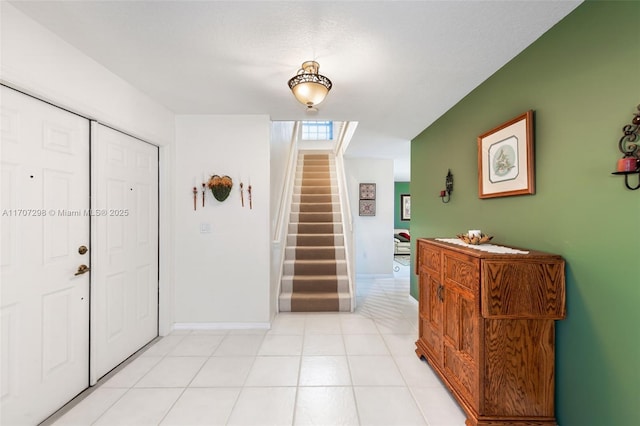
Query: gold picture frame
pixel 505 159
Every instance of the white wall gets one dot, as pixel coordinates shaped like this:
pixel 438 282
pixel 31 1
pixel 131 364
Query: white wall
pixel 222 275
pixel 39 62
pixel 36 61
pixel 373 235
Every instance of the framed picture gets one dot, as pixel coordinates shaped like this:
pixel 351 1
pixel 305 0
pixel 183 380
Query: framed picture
pixel 367 207
pixel 405 207
pixel 367 191
pixel 505 159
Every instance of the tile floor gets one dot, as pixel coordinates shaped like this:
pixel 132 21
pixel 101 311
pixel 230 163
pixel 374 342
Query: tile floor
pixel 308 369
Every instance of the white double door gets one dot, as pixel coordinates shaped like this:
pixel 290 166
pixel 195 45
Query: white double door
pixel 52 288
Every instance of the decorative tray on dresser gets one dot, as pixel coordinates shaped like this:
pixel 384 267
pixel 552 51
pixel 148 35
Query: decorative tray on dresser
pixel 487 327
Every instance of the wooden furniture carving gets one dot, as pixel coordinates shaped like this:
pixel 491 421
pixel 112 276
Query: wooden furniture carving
pixel 487 328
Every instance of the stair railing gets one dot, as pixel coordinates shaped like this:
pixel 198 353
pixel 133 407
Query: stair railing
pixel 344 137
pixel 284 210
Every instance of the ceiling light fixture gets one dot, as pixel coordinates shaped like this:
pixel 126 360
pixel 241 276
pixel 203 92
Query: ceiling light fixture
pixel 309 87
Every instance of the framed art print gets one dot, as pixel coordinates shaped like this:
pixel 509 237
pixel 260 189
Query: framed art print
pixel 367 207
pixel 405 207
pixel 505 159
pixel 367 191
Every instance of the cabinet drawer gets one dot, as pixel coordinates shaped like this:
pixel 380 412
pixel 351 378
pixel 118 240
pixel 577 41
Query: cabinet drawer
pixel 525 290
pixel 461 270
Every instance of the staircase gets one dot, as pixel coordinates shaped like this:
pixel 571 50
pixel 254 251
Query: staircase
pixel 315 277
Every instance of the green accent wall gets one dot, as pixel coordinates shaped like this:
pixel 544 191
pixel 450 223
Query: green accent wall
pixel 399 189
pixel 582 80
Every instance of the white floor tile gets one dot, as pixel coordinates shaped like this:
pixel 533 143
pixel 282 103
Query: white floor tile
pixel 134 371
pixel 239 344
pixel 91 408
pixel 357 324
pixel 197 345
pixel 140 407
pixel 172 372
pixel 264 407
pixel 323 344
pixel 325 406
pixel 396 326
pixel 416 372
pixel 202 407
pixel 377 370
pixel 165 345
pixel 401 344
pixel 223 372
pixel 365 344
pixel 288 323
pixel 324 371
pixel 438 406
pixel 323 324
pixel 387 406
pixel 274 371
pixel 276 344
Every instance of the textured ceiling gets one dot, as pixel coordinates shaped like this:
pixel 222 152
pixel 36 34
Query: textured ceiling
pixel 396 66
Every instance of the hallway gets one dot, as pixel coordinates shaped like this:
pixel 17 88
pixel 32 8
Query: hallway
pixel 310 368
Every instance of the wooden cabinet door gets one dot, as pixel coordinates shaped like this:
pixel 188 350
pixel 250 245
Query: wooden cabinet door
pixel 431 315
pixel 462 332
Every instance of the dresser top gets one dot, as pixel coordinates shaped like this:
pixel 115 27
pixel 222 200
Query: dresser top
pixel 472 251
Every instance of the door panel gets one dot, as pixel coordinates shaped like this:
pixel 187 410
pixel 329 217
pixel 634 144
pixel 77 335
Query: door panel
pixel 125 247
pixel 45 306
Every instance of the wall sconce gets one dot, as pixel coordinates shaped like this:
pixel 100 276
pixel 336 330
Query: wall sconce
pixel 449 188
pixel 629 164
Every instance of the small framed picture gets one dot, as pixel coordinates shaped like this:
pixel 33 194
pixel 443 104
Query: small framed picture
pixel 367 208
pixel 405 207
pixel 505 159
pixel 367 191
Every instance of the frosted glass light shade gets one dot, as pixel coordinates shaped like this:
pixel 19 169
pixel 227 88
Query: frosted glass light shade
pixel 309 93
pixel 309 87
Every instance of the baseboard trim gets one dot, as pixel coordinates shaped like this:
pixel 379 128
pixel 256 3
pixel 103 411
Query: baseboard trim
pixel 221 325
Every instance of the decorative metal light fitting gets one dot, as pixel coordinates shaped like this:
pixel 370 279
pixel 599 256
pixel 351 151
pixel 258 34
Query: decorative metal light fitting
pixel 449 188
pixel 630 163
pixel 309 87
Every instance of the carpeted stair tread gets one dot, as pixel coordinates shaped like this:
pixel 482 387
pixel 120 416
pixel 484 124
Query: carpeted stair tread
pixel 316 228
pixel 314 253
pixel 311 240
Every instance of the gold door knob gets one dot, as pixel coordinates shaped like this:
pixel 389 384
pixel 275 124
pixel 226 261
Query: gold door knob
pixel 82 269
pixel 82 249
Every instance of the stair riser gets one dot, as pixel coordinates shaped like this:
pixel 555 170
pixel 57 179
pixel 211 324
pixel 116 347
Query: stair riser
pixel 309 303
pixel 315 228
pixel 315 198
pixel 315 207
pixel 314 240
pixel 314 217
pixel 314 253
pixel 315 284
pixel 309 267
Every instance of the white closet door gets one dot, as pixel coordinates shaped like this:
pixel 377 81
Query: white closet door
pixel 124 227
pixel 44 212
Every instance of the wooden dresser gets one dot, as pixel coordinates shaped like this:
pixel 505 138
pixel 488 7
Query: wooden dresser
pixel 486 326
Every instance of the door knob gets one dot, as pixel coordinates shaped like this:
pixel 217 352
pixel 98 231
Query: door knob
pixel 82 249
pixel 82 269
